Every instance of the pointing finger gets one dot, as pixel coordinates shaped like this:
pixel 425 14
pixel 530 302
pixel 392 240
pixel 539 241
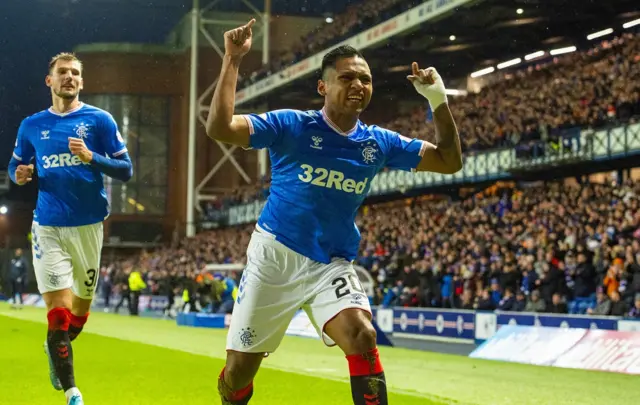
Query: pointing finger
pixel 415 69
pixel 250 23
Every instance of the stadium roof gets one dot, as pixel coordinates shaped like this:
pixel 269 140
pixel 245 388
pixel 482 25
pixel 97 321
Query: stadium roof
pixel 312 8
pixel 486 33
pixel 175 7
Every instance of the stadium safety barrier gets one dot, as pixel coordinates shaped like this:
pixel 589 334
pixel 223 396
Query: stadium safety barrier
pixel 587 146
pixel 453 326
pixel 148 305
pixel 300 325
pixel 202 320
pixel 364 275
pixel 587 349
pixel 443 325
pixel 32 300
pixel 471 326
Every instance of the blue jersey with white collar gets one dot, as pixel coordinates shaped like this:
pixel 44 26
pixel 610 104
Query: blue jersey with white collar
pixel 70 192
pixel 320 176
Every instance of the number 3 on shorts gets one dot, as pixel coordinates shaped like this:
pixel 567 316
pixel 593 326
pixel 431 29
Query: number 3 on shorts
pixel 342 290
pixel 91 274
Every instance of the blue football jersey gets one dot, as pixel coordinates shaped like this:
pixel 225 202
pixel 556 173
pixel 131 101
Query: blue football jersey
pixel 320 176
pixel 70 192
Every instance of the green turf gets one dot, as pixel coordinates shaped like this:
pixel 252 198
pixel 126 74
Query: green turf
pixel 122 360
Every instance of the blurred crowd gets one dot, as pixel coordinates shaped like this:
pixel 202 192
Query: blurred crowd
pixel 355 19
pixel 177 272
pixel 590 89
pixel 546 100
pixel 213 209
pixel 555 248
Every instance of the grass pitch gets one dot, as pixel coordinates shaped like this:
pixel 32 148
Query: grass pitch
pixel 140 361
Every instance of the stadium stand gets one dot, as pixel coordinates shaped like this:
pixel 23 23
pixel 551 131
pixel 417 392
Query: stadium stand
pixel 355 18
pixel 526 107
pixel 558 247
pixel 556 239
pixel 589 89
pixel 551 248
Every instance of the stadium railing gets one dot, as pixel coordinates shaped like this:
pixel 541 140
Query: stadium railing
pixel 406 21
pixel 452 325
pixel 584 146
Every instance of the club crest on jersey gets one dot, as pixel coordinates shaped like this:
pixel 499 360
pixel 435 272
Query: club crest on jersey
pixel 82 130
pixel 370 152
pixel 317 140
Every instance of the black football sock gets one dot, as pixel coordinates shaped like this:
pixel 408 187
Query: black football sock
pixel 60 346
pixel 368 383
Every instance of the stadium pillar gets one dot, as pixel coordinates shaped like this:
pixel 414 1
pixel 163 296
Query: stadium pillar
pixel 193 88
pixel 266 23
pixel 204 99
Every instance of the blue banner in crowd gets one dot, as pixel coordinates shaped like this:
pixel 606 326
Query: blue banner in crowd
pixel 443 323
pixel 469 326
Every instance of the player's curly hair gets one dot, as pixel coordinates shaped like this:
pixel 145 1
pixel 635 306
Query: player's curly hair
pixel 66 56
pixel 333 56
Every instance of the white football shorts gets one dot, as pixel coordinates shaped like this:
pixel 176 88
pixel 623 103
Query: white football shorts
pixel 276 283
pixel 67 257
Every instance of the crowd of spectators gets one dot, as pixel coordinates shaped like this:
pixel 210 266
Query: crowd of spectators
pixel 177 268
pixel 589 89
pixel 212 209
pixel 592 89
pixel 546 248
pixel 556 248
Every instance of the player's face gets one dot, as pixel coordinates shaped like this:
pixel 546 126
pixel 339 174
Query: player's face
pixel 349 86
pixel 65 79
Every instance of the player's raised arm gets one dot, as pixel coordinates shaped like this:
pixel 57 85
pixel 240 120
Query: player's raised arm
pixel 20 171
pixel 222 124
pixel 446 156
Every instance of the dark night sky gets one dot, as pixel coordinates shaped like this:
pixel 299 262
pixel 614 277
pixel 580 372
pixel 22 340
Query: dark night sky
pixel 31 31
